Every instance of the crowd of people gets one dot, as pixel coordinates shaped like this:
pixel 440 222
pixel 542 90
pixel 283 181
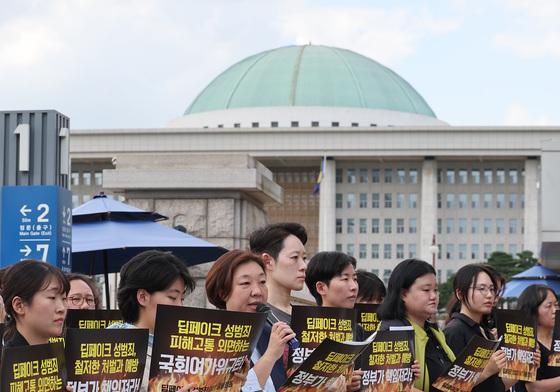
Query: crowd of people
pixel 36 297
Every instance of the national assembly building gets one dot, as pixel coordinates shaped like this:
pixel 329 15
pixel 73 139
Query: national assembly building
pixel 396 181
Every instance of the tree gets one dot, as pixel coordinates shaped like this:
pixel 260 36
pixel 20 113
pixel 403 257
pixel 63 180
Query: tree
pixel 508 266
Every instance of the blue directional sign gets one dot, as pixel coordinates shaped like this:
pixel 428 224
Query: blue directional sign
pixel 36 224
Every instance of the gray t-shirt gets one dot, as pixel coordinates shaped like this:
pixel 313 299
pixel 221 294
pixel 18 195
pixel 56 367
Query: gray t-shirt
pixel 280 314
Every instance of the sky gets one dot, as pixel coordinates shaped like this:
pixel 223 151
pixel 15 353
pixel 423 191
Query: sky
pixel 140 63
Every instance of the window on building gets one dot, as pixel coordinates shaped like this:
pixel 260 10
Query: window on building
pixel 512 200
pixel 254 125
pixel 400 200
pixel 363 174
pixel 314 124
pixel 513 249
pixel 449 250
pixel 499 226
pixel 375 225
pixel 354 124
pixel 401 176
pixel 374 251
pixel 98 178
pixel 375 176
pixel 450 199
pixel 75 201
pixel 439 226
pixel 375 200
pixel 75 177
pixel 463 176
pixel 475 175
pixel 412 251
pixel 338 200
pixel 294 124
pixel 388 200
pixel 363 251
pixel 386 275
pixel 400 251
pixel 400 225
pixel 439 251
pixel 522 200
pixel 450 173
pixel 412 225
pixel 499 247
pixel 412 200
pixel 350 225
pixel 439 176
pixel 388 176
pixel 363 200
pixel 488 176
pixel 413 174
pixel 475 226
pixel 462 200
pixel 363 226
pixel 350 200
pixel 462 251
pixel 462 225
pixel 513 226
pixel 339 176
pixel 439 200
pixel 487 200
pixel 513 176
pixel 388 225
pixel 487 225
pixel 274 124
pixel 387 252
pixel 487 251
pixel 338 247
pixel 236 125
pixel 86 178
pixel 335 124
pixel 351 176
pixel 500 176
pixel 500 200
pixel 339 226
pixel 475 200
pixel 350 249
pixel 449 225
pixel 474 251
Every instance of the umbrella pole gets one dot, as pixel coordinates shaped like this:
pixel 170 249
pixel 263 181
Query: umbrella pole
pixel 106 276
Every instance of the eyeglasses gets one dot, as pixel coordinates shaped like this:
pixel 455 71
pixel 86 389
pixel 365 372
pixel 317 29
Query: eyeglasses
pixel 484 290
pixel 78 300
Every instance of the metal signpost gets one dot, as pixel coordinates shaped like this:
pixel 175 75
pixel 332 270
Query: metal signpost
pixel 35 204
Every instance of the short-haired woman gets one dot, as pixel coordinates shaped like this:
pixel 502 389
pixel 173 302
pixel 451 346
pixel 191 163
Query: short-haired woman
pixel 84 293
pixel 148 279
pixel 237 282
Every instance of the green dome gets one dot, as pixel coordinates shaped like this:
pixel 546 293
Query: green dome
pixel 310 75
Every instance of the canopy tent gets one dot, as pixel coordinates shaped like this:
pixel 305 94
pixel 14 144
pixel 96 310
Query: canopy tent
pixel 534 275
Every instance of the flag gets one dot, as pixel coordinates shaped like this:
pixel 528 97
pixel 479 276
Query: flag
pixel 317 186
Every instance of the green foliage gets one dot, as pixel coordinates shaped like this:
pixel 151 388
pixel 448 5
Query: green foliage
pixel 508 266
pixel 445 292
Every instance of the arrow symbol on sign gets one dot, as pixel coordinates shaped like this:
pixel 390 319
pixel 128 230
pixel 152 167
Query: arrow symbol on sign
pixel 26 250
pixel 24 210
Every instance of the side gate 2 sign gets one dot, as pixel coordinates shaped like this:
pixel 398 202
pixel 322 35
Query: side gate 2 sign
pixel 36 223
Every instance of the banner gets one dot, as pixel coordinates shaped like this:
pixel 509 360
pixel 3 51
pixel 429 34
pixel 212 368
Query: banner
pixel 468 366
pixel 201 348
pixel 328 361
pixel 92 319
pixel 313 324
pixel 389 362
pixel 106 359
pixel 554 355
pixel 366 316
pixel 519 343
pixel 38 367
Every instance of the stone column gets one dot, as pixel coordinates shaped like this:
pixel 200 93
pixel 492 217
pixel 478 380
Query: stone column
pixel 531 211
pixel 327 211
pixel 428 208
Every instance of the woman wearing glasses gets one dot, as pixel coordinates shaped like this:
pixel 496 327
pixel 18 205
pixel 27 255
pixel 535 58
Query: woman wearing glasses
pixel 541 302
pixel 83 293
pixel 475 290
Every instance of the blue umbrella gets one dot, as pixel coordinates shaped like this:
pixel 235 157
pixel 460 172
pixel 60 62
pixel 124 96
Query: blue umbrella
pixel 534 275
pixel 107 233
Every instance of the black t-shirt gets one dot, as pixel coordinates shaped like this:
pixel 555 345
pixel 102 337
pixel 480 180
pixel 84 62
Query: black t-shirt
pixel 458 333
pixel 543 372
pixel 16 340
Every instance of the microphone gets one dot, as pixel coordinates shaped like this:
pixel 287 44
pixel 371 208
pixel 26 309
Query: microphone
pixel 272 319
